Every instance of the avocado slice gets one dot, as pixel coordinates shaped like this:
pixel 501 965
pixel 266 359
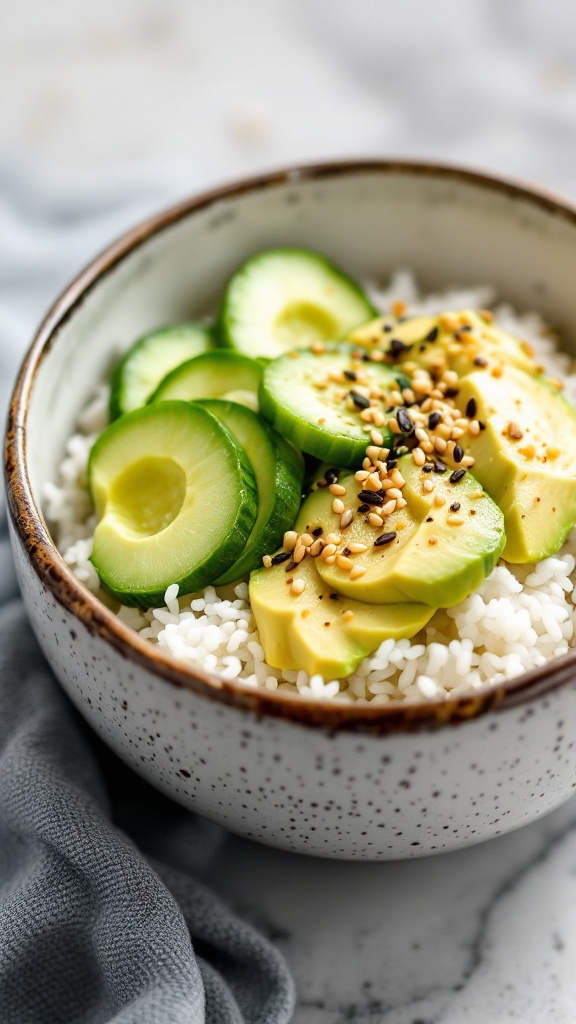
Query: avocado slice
pixel 426 553
pixel 525 458
pixel 460 338
pixel 318 630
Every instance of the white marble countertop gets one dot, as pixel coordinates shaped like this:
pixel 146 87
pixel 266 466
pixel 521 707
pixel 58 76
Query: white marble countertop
pixel 151 99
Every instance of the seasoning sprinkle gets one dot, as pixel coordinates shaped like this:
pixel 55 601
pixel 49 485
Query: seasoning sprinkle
pixel 370 498
pixel 282 556
pixel 404 422
pixel 385 538
pixel 360 401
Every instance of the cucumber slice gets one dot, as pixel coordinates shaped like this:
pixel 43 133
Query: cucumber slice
pixel 176 501
pixel 139 373
pixel 287 298
pixel 306 397
pixel 278 470
pixel 213 375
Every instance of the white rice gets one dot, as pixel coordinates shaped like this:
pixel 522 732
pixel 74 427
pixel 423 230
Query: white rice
pixel 517 620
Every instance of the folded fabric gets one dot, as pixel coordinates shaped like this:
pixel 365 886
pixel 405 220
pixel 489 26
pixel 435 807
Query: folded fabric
pixel 102 914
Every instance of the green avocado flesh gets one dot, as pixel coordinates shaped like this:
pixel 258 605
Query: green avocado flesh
pixel 139 373
pixel 427 339
pixel 409 567
pixel 218 374
pixel 309 631
pixel 308 398
pixel 287 298
pixel 176 501
pixel 532 477
pixel 278 470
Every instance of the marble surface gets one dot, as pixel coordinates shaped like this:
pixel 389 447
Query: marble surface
pixel 109 110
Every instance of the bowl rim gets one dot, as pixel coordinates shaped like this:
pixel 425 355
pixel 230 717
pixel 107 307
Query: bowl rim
pixel 33 536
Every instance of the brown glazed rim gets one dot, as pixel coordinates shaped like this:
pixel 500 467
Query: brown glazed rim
pixel 55 575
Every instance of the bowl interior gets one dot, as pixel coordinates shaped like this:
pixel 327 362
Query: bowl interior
pixel 449 228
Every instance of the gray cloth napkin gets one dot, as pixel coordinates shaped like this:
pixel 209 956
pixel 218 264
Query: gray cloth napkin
pixel 102 914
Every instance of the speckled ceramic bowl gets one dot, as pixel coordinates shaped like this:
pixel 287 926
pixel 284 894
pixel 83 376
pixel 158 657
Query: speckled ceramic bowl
pixel 320 778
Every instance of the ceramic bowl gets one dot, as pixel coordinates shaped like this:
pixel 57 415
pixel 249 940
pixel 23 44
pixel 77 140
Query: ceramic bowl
pixel 320 778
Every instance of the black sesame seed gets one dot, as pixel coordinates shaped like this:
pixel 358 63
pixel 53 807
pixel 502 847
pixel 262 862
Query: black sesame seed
pixel 466 327
pixel 350 375
pixel 397 347
pixel 480 361
pixel 322 483
pixel 360 401
pixel 427 467
pixel 346 552
pixel 404 422
pixel 439 467
pixel 458 453
pixel 455 506
pixel 471 408
pixel 429 519
pixel 331 476
pixel 451 392
pixel 334 597
pixel 391 464
pixel 370 498
pixel 432 335
pixel 481 424
pixel 291 566
pixel 387 328
pixel 456 475
pixel 364 508
pixel 317 531
pixel 280 557
pixel 385 538
pixel 433 420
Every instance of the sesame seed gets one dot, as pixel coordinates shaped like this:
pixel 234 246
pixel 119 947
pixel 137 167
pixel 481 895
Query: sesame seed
pixel 440 444
pixel 376 520
pixel 338 490
pixel 471 408
pixel 439 500
pixel 385 538
pixel 394 492
pixel 480 361
pixel 349 374
pixel 458 453
pixel 456 475
pixel 373 452
pixel 515 431
pixel 455 507
pixel 357 572
pixel 305 539
pixel 360 401
pixel 356 548
pixel 418 456
pixel 317 531
pixel 282 556
pixel 299 553
pixel 290 538
pixel 266 561
pixel 346 519
pixel 404 422
pixel 392 425
pixel 330 559
pixel 432 335
pixel 331 476
pixel 330 549
pixel 315 548
pixel 427 486
pixel 376 437
pixel 344 563
pixel 298 587
pixel 370 498
pixel 474 428
pixel 389 507
pixel 290 567
pixel 347 616
pixel 454 520
pixel 338 506
pixel 439 467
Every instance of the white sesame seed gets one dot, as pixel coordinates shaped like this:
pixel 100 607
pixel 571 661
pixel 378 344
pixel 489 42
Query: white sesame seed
pixel 290 539
pixel 267 561
pixel 338 506
pixel 418 456
pixel 356 548
pixel 357 572
pixel 298 587
pixel 346 518
pixel 376 437
pixel 344 563
pixel 337 489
